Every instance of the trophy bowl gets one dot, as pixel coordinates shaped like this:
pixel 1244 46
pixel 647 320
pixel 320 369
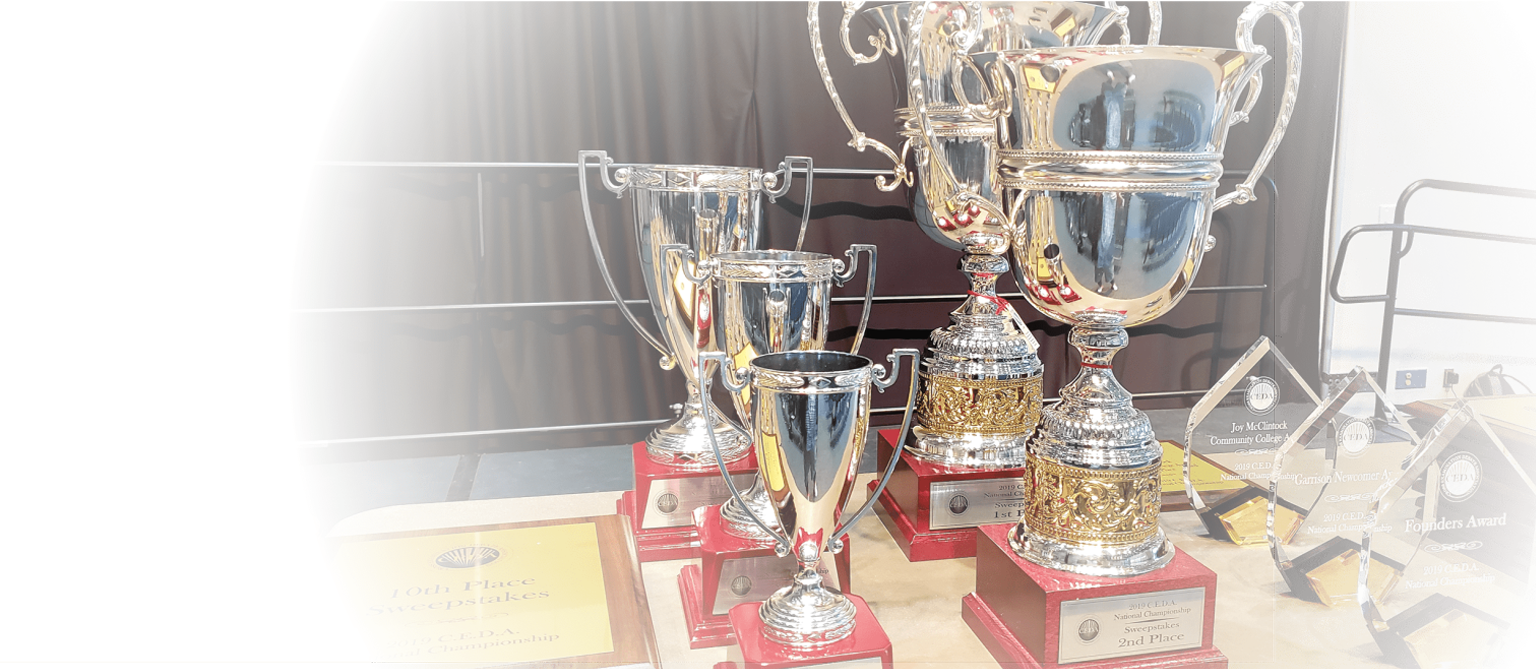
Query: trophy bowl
pixel 964 140
pixel 809 421
pixel 773 302
pixel 708 210
pixel 1109 160
pixel 981 384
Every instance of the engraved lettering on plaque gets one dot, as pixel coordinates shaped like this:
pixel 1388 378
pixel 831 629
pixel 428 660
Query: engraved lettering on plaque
pixel 1127 625
pixel 672 501
pixel 752 579
pixel 960 504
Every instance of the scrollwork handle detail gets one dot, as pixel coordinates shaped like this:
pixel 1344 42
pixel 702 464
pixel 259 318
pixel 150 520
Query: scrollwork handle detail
pixel 900 175
pixel 881 41
pixel 1287 15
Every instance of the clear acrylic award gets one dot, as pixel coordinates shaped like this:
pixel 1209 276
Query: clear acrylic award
pixel 1462 522
pixel 1231 440
pixel 1325 477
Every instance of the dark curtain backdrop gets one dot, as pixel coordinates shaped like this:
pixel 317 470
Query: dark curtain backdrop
pixel 713 83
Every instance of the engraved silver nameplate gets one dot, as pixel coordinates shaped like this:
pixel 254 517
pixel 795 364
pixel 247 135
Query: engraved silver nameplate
pixel 1151 622
pixel 752 579
pixel 959 504
pixel 672 501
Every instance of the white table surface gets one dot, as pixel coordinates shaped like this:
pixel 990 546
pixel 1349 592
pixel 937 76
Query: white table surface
pixel 1257 623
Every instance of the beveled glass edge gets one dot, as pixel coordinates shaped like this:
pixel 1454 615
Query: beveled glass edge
pixel 1261 347
pixel 1358 380
pixel 1439 437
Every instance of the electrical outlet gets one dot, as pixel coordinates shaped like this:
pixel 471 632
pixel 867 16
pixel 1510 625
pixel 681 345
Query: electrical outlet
pixel 1451 378
pixel 1412 378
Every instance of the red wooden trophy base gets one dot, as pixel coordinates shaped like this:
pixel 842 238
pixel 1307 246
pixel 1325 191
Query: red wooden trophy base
pixel 754 651
pixel 1017 606
pixel 669 495
pixel 906 506
pixel 726 557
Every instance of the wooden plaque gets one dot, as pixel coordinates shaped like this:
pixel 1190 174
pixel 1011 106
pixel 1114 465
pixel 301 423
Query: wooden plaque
pixel 552 593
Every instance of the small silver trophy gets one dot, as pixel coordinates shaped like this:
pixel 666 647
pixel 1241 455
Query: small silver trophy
pixel 810 417
pixel 708 209
pixel 771 302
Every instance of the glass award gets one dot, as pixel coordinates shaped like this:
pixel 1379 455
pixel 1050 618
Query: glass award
pixel 1325 477
pixel 1231 440
pixel 1462 521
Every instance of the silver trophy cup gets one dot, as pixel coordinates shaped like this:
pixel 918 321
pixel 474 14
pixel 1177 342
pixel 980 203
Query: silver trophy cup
pixel 708 210
pixel 810 418
pixel 772 302
pixel 982 378
pixel 1109 160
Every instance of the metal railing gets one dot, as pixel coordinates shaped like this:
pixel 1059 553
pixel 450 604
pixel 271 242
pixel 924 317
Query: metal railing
pixel 1402 243
pixel 820 172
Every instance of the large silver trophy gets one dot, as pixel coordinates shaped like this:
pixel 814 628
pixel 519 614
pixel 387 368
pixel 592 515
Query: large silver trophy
pixel 981 383
pixel 709 210
pixel 1109 161
pixel 810 417
pixel 771 302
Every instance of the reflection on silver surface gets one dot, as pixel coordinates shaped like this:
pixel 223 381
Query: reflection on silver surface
pixel 1109 159
pixel 810 419
pixel 708 210
pixel 753 579
pixel 772 302
pixel 986 358
pixel 670 502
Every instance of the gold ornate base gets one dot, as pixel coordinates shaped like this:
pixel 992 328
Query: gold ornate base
pixel 1097 507
pixel 984 407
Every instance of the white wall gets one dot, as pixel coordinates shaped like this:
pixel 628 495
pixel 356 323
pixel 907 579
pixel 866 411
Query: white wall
pixel 1440 90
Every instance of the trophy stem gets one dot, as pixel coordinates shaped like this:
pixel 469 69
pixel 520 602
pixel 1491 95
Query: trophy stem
pixel 806 613
pixel 1093 487
pixel 980 396
pixel 684 443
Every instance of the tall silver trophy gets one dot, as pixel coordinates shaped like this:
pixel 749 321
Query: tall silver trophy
pixel 708 210
pixel 981 383
pixel 1109 161
pixel 809 419
pixel 772 302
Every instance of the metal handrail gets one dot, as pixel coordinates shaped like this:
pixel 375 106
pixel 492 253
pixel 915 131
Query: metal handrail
pixel 1402 243
pixel 588 304
pixel 820 172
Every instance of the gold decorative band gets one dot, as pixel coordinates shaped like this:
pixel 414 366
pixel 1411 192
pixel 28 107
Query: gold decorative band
pixel 982 406
pixel 1105 507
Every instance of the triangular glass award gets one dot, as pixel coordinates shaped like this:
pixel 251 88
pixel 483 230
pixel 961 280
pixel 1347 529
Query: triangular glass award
pixel 1325 477
pixel 1462 521
pixel 1232 436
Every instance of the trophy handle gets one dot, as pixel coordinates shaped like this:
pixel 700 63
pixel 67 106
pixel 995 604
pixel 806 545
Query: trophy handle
pixel 668 361
pixel 859 141
pixel 1292 24
pixel 999 93
pixel 940 186
pixel 1122 16
pixel 707 267
pixel 786 167
pixel 729 377
pixel 879 40
pixel 835 542
pixel 869 286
